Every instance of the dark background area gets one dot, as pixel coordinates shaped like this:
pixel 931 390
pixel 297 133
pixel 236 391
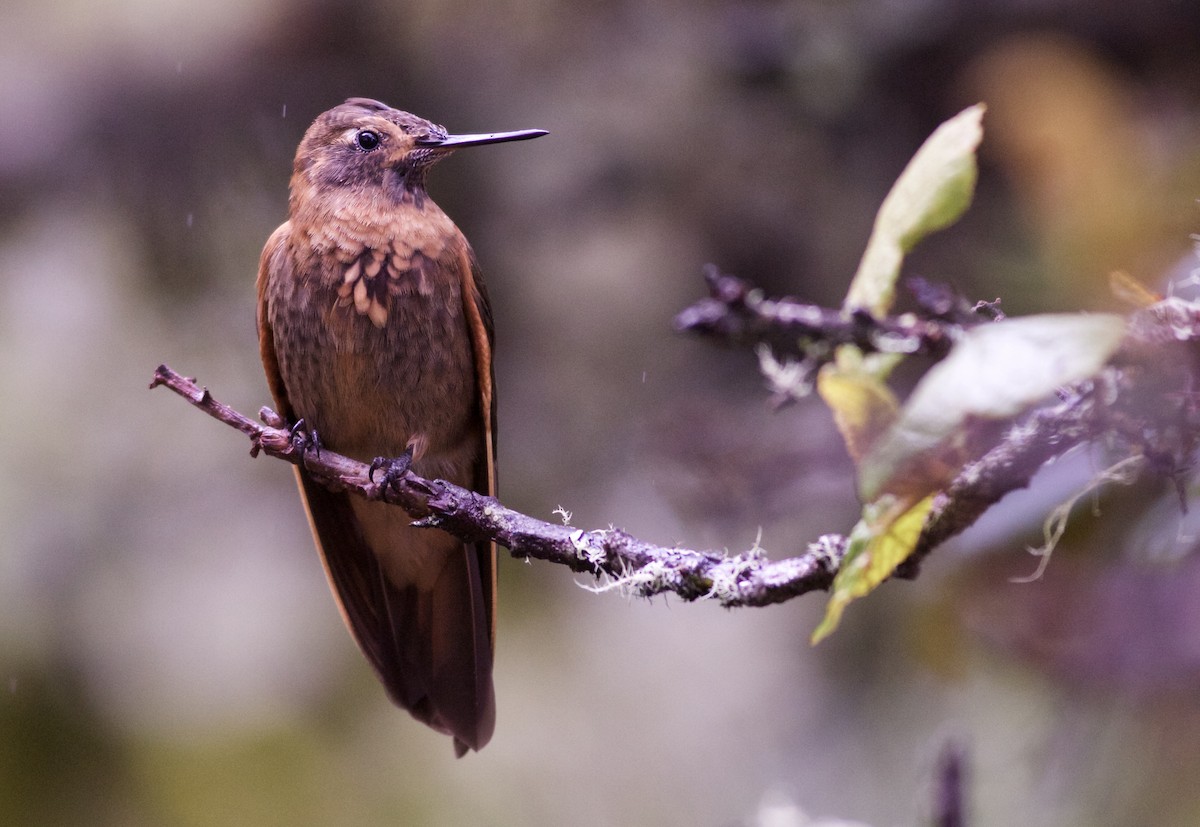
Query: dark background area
pixel 169 652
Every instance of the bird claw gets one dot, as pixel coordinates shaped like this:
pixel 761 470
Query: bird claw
pixel 393 468
pixel 305 440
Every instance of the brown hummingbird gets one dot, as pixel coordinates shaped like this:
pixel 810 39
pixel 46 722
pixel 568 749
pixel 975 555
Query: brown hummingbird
pixel 376 333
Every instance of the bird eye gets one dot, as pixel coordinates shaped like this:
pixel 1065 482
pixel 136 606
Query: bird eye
pixel 367 139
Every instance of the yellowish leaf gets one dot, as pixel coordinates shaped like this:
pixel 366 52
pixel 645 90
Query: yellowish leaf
pixel 863 406
pixel 876 546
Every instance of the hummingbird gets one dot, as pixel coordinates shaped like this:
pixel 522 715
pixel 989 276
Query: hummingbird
pixel 376 334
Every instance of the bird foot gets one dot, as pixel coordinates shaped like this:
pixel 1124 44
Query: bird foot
pixel 305 440
pixel 393 468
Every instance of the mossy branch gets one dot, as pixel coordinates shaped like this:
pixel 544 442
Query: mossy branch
pixel 638 567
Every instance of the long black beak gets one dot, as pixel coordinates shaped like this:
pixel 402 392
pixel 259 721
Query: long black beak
pixel 456 141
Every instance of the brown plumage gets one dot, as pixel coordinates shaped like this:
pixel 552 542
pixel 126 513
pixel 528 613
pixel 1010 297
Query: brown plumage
pixel 375 329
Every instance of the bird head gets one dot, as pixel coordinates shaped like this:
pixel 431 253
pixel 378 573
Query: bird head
pixel 364 145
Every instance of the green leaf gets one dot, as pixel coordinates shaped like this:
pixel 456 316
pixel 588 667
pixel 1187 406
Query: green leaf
pixel 994 373
pixel 933 191
pixel 883 539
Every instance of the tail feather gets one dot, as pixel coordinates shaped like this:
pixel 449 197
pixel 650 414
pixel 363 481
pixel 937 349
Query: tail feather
pixel 415 601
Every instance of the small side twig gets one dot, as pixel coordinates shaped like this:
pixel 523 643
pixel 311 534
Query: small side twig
pixel 644 569
pixel 736 312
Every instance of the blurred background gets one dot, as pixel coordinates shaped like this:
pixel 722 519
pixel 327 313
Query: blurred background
pixel 169 652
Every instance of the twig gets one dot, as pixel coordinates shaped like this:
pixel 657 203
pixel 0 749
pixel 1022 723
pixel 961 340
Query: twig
pixel 643 569
pixel 736 312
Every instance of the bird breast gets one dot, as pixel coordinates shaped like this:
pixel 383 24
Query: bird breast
pixel 378 349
